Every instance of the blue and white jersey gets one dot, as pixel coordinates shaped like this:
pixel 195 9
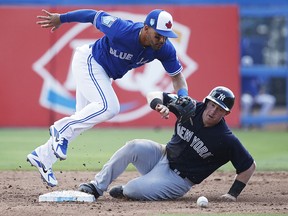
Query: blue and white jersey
pixel 119 50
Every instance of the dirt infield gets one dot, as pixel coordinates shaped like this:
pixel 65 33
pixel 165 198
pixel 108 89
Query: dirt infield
pixel 267 192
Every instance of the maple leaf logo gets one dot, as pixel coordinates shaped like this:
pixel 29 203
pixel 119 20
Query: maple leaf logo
pixel 169 25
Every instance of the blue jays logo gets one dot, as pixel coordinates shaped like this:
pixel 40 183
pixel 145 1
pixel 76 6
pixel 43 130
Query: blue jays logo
pixel 59 95
pixel 152 22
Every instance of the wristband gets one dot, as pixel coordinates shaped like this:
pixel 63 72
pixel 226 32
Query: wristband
pixel 182 92
pixel 155 102
pixel 236 188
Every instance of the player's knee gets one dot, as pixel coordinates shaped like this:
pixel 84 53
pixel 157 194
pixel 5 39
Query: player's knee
pixel 113 111
pixel 103 111
pixel 135 144
pixel 134 148
pixel 131 145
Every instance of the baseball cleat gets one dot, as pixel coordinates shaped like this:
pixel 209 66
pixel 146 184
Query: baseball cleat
pixel 59 144
pixel 89 188
pixel 117 192
pixel 46 174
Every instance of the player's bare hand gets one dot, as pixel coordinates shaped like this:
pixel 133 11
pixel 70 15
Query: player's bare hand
pixel 163 110
pixel 228 197
pixel 49 20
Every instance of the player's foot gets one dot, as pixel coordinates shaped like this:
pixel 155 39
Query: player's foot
pixel 117 192
pixel 89 188
pixel 59 144
pixel 46 174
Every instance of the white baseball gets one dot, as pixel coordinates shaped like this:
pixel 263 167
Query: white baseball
pixel 202 202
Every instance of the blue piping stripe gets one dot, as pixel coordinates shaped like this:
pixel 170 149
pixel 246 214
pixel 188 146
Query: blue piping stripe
pixel 101 94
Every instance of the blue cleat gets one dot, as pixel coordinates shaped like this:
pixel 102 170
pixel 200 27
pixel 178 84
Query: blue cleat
pixel 59 144
pixel 46 174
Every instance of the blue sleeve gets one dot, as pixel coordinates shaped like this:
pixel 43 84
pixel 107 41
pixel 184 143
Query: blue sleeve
pixel 110 25
pixel 169 59
pixel 81 16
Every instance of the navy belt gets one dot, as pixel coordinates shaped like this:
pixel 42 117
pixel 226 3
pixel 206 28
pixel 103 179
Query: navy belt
pixel 179 173
pixel 182 176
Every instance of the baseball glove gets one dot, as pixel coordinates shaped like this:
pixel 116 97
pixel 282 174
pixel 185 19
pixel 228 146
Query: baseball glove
pixel 184 108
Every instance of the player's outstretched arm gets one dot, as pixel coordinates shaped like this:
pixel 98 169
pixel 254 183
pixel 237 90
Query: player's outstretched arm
pixel 49 20
pixel 179 83
pixel 240 182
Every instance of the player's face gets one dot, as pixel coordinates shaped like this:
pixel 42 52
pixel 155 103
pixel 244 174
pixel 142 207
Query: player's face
pixel 213 114
pixel 155 40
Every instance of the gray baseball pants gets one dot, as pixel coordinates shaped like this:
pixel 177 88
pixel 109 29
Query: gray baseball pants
pixel 156 181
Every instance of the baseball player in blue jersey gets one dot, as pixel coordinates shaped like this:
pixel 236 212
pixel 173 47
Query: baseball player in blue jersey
pixel 125 45
pixel 198 147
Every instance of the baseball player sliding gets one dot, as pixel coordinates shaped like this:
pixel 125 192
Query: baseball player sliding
pixel 201 143
pixel 125 45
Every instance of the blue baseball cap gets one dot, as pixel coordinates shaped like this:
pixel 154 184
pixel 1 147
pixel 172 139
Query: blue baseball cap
pixel 161 21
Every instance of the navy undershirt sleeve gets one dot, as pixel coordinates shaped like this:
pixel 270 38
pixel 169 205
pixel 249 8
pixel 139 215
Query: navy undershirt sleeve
pixel 82 16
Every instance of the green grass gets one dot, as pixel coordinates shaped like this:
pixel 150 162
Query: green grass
pixel 92 149
pixel 269 148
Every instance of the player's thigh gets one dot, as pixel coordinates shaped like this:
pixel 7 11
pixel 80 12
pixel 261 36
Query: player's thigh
pixel 145 153
pixel 81 101
pixel 160 184
pixel 91 79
